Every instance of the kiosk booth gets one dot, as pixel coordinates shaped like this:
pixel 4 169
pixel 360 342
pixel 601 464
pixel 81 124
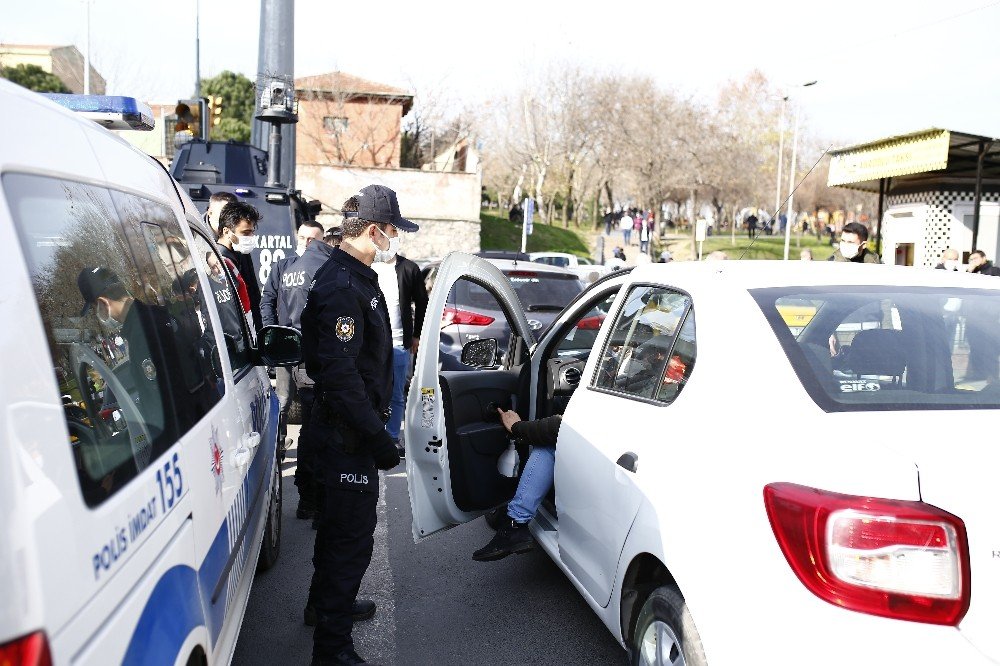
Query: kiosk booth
pixel 937 189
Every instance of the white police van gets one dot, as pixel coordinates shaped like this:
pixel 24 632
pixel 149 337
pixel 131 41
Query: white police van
pixel 139 478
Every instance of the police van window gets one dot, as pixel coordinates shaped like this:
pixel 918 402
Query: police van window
pixel 223 291
pixel 101 327
pixel 171 281
pixel 638 358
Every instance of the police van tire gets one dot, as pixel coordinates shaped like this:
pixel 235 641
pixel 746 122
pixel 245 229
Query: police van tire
pixel 270 545
pixel 294 412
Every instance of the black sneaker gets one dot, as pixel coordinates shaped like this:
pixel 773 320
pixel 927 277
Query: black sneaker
pixel 363 609
pixel 345 658
pixel 512 538
pixel 497 517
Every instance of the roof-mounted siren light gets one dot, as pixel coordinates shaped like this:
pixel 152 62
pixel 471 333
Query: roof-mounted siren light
pixel 112 112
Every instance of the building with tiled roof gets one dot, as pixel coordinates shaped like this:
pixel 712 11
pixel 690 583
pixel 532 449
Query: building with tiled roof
pixel 66 62
pixel 349 121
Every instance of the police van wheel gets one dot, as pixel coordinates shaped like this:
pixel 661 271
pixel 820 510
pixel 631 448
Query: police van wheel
pixel 271 544
pixel 294 412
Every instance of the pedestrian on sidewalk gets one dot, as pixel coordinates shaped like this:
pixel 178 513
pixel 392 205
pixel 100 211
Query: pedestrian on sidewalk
pixel 625 224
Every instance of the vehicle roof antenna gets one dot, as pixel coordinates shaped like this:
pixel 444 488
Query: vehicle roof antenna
pixel 794 190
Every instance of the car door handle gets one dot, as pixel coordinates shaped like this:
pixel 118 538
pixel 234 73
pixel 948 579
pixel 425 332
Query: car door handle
pixel 629 461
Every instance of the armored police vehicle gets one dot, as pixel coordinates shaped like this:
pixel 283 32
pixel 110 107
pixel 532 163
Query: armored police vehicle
pixel 139 481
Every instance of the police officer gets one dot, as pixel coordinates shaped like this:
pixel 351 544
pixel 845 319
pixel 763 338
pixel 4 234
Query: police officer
pixel 347 348
pixel 281 303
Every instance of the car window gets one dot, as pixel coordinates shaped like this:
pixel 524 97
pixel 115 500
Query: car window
pixel 221 282
pixel 171 281
pixel 579 339
pixel 115 361
pixel 639 357
pixel 472 312
pixel 892 347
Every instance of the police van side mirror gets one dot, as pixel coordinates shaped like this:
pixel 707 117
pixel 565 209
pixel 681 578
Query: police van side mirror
pixel 481 353
pixel 279 346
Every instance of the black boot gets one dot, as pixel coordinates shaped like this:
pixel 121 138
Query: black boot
pixel 497 517
pixel 344 658
pixel 511 538
pixel 363 609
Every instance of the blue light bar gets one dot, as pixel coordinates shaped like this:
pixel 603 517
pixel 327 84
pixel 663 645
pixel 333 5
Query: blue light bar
pixel 116 113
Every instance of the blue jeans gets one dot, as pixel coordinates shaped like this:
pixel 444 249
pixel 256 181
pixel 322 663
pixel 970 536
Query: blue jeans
pixel 400 368
pixel 627 236
pixel 536 479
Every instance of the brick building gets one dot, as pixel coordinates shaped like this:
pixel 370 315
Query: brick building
pixel 66 62
pixel 349 121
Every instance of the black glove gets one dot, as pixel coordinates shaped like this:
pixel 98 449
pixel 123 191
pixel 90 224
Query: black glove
pixel 384 452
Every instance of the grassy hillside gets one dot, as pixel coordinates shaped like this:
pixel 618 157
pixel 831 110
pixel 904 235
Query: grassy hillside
pixel 768 247
pixel 499 233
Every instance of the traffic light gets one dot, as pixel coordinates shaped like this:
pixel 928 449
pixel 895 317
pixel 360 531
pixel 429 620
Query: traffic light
pixel 215 109
pixel 192 123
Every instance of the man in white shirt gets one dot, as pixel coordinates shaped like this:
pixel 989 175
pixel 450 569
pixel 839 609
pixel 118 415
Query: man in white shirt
pixel 406 300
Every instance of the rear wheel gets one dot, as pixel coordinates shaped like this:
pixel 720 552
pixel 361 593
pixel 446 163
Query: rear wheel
pixel 271 545
pixel 665 634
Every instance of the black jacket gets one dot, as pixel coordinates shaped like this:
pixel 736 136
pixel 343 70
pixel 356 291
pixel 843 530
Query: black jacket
pixel 287 287
pixel 412 298
pixel 347 343
pixel 987 268
pixel 244 264
pixel 540 432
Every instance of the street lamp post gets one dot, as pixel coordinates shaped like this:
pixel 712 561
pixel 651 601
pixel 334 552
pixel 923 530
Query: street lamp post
pixel 86 54
pixel 781 155
pixel 791 174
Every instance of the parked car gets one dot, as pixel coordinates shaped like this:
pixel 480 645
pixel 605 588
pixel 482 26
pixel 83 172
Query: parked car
pixel 587 270
pixel 471 311
pixel 140 488
pixel 843 523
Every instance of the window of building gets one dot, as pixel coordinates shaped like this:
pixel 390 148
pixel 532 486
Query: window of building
pixel 335 124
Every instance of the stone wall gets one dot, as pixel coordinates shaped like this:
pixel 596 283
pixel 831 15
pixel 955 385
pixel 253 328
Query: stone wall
pixel 444 204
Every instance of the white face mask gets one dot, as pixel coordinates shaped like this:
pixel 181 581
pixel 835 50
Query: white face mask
pixel 106 319
pixel 244 244
pixel 386 255
pixel 951 264
pixel 849 250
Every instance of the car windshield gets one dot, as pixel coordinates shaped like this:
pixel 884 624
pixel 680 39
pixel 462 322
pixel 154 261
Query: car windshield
pixel 538 291
pixel 890 348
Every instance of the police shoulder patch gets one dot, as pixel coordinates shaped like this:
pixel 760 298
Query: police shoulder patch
pixel 345 328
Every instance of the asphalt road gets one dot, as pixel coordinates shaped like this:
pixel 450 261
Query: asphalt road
pixel 435 605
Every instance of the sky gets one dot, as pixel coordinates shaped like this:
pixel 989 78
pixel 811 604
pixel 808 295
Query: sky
pixel 882 67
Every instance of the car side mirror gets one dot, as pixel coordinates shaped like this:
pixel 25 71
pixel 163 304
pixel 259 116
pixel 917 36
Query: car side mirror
pixel 279 346
pixel 481 353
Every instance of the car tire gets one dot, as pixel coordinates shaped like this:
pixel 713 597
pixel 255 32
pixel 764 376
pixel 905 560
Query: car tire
pixel 294 412
pixel 270 545
pixel 665 633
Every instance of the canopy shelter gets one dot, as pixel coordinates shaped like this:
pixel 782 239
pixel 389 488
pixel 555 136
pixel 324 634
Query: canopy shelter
pixel 948 173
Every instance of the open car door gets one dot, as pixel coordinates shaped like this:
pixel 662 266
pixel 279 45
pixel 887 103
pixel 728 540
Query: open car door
pixel 454 437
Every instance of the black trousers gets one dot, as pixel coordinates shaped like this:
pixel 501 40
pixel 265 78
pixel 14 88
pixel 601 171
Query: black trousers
pixel 345 534
pixel 305 466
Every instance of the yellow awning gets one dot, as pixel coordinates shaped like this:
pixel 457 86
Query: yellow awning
pixel 898 156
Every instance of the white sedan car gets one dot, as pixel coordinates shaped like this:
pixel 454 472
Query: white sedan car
pixel 745 490
pixel 583 267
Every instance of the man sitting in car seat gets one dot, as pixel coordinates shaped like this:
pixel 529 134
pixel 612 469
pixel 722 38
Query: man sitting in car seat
pixel 536 479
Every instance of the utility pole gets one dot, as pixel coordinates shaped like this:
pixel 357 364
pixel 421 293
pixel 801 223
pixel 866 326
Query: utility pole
pixel 86 54
pixel 275 68
pixel 197 49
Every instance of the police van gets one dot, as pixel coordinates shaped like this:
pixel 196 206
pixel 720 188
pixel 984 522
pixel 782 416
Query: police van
pixel 139 482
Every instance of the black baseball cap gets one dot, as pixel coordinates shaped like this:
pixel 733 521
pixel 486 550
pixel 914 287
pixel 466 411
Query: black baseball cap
pixel 377 203
pixel 94 282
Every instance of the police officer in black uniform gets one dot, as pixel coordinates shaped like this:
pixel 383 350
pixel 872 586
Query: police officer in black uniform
pixel 347 348
pixel 281 303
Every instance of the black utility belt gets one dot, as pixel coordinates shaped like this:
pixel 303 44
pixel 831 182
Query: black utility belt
pixel 323 397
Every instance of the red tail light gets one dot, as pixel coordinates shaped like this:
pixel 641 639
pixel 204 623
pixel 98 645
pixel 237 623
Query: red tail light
pixel 30 650
pixel 591 323
pixel 893 558
pixel 456 316
pixel 522 274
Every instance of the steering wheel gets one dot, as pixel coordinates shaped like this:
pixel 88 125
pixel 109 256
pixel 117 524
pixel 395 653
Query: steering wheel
pixel 139 438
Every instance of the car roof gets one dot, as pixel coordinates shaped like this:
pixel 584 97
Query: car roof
pixel 762 274
pixel 508 265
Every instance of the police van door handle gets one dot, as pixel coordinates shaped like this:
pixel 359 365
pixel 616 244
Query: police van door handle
pixel 629 461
